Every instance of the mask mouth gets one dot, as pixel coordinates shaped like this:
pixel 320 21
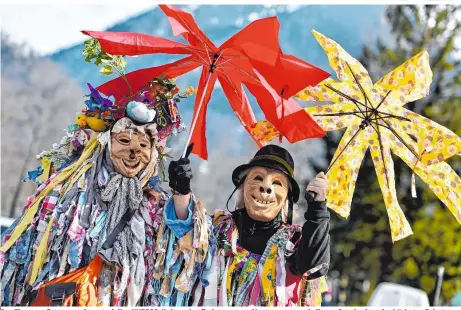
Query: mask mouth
pixel 263 202
pixel 132 164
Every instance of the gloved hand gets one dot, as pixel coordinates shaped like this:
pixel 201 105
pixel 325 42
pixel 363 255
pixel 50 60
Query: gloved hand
pixel 319 185
pixel 180 174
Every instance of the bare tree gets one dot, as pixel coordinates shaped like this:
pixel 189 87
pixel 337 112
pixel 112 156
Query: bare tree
pixel 38 99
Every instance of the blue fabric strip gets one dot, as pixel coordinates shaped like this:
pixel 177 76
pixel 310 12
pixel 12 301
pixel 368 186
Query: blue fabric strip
pixel 169 254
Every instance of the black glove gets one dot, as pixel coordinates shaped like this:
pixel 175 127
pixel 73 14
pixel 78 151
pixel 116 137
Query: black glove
pixel 180 174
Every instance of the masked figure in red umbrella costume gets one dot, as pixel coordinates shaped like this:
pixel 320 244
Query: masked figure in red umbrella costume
pixel 258 257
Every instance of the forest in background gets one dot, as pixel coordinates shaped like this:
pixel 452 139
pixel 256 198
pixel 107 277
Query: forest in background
pixel 39 101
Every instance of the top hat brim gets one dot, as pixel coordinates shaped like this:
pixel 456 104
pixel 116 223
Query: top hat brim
pixel 237 175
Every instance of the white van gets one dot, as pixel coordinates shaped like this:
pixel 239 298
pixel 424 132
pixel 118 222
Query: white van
pixel 396 295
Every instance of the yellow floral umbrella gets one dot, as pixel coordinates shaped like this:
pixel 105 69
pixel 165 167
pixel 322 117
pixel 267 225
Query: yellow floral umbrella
pixel 375 118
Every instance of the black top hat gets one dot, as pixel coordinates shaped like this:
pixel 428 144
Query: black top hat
pixel 272 157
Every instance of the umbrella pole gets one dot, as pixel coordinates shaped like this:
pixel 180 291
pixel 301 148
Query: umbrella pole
pixel 440 271
pixel 194 120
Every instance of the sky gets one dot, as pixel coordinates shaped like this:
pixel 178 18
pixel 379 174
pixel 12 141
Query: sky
pixel 49 27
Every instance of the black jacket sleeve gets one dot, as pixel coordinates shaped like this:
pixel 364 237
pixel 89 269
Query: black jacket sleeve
pixel 314 246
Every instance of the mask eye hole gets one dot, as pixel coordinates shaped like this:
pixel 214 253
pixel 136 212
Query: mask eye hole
pixel 124 140
pixel 143 144
pixel 277 182
pixel 258 178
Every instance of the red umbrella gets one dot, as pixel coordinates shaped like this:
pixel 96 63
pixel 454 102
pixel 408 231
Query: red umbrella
pixel 252 57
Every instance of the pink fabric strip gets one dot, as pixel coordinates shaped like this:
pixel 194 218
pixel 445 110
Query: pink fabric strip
pixel 248 295
pixel 256 291
pixel 280 280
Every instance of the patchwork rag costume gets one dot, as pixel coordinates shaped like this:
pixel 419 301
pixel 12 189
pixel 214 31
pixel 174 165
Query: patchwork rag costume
pixel 107 165
pixel 258 257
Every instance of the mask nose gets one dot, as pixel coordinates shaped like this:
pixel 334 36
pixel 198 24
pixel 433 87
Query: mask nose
pixel 135 148
pixel 132 155
pixel 262 190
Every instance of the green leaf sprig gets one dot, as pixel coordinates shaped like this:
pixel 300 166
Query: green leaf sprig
pixel 109 64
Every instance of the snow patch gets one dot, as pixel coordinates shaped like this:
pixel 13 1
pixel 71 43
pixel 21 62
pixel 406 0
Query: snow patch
pixel 253 16
pixel 239 21
pixel 293 7
pixel 193 7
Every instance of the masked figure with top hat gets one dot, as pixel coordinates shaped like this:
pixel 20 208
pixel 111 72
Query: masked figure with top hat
pixel 259 258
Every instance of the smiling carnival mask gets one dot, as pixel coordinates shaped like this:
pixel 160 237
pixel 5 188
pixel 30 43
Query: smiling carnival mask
pixel 131 146
pixel 268 184
pixel 265 193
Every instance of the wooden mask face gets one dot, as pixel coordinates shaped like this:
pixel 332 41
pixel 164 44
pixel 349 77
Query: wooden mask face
pixel 130 151
pixel 265 193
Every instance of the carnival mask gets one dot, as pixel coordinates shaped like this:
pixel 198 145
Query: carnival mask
pixel 265 193
pixel 130 151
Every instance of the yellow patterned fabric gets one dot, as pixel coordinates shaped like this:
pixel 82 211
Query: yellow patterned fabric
pixel 239 257
pixel 268 276
pixel 375 119
pixel 264 132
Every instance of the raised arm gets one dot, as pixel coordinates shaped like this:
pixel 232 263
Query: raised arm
pixel 180 174
pixel 313 251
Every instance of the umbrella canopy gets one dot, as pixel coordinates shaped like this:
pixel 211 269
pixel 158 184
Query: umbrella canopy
pixel 252 57
pixel 375 119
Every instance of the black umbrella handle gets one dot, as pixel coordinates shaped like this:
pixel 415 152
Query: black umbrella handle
pixel 310 196
pixel 188 150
